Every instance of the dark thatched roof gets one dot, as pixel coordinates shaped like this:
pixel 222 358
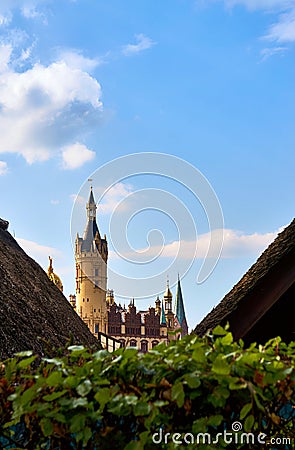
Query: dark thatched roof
pixel 32 309
pixel 279 250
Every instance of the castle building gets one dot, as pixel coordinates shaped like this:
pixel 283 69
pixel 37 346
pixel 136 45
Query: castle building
pixel 96 305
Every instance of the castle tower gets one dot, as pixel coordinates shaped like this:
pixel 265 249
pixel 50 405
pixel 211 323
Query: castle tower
pixel 179 310
pixel 158 306
pixel 91 255
pixel 168 308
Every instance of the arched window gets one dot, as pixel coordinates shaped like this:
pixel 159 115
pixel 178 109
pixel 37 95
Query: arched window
pixel 133 343
pixel 122 342
pixel 144 346
pixel 154 343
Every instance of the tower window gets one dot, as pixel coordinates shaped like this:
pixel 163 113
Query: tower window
pixel 96 272
pixel 83 299
pixel 94 310
pixel 88 299
pixel 96 328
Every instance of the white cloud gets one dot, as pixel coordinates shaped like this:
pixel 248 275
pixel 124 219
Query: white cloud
pixel 5 54
pixel 27 7
pixel 259 4
pixel 113 197
pixel 79 199
pixel 284 29
pixel 271 51
pixel 76 60
pixel 3 168
pixel 76 155
pixel 46 108
pixel 37 251
pixel 142 43
pixel 236 244
pixel 41 253
pixel 4 19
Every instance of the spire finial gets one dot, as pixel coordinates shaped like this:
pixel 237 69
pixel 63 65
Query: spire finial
pixel 90 181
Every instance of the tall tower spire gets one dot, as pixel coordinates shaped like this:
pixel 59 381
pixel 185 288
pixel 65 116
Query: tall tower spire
pixel 179 310
pixel 91 254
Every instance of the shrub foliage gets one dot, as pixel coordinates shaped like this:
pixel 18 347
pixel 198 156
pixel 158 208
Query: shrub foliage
pixel 193 389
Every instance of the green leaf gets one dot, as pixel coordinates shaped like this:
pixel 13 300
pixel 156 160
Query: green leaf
pixel 199 355
pixel 77 423
pixel 134 445
pixel 55 361
pixel 216 420
pixel 79 402
pixel 26 362
pixel 54 396
pixel 87 436
pixel 84 388
pixel 237 384
pixel 24 353
pixel 245 410
pixel 102 397
pixel 46 426
pixel 141 409
pixel 219 396
pixel 72 381
pixel 220 366
pixel 54 378
pixel 192 380
pixel 227 339
pixel 74 348
pixel 249 422
pixel 177 394
pixel 200 425
pixel 28 395
pixel 84 436
pixel 219 331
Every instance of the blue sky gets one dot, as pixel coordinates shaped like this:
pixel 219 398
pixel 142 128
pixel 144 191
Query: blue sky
pixel 211 82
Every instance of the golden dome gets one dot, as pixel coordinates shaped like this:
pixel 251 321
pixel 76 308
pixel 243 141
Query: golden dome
pixel 167 292
pixel 53 277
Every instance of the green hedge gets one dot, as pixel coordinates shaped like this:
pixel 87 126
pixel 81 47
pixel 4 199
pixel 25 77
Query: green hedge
pixel 195 393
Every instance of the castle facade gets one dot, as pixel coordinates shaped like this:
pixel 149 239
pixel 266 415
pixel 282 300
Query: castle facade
pixel 112 323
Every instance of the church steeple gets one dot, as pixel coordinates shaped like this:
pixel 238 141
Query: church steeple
pixel 91 237
pixel 179 310
pixel 91 206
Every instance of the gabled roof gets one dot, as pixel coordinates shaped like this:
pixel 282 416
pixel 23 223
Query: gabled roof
pixel 32 309
pixel 280 251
